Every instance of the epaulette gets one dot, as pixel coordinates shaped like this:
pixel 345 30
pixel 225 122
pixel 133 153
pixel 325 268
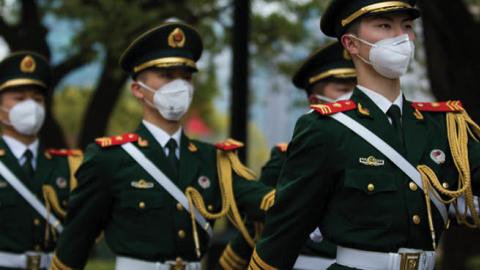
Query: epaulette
pixel 335 107
pixel 447 106
pixel 282 147
pixel 64 152
pixel 229 145
pixel 116 140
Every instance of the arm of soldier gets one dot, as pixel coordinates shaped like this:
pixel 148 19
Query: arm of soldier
pixel 238 252
pixel 253 197
pixel 87 213
pixel 302 193
pixel 474 160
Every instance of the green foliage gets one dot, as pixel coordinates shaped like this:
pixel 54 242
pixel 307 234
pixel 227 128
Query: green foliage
pixel 68 108
pixel 127 114
pixel 473 263
pixel 108 26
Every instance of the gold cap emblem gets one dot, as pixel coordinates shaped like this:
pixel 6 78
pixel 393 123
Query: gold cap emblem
pixel 176 39
pixel 28 64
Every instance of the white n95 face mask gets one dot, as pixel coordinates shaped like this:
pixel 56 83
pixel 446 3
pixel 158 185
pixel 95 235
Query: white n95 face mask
pixel 26 117
pixel 173 99
pixel 390 57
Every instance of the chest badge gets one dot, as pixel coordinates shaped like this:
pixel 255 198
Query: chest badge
pixel 204 182
pixel 438 156
pixel 141 184
pixel 61 182
pixel 372 161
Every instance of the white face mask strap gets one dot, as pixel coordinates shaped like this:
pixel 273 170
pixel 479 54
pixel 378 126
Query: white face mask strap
pixel 363 59
pixel 324 98
pixel 361 40
pixel 365 42
pixel 146 87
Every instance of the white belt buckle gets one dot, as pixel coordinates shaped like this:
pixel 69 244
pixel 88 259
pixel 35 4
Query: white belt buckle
pixel 411 261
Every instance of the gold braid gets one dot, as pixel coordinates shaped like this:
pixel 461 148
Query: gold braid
pixel 226 161
pixel 459 128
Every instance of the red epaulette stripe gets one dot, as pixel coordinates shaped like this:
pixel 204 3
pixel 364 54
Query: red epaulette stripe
pixel 282 147
pixel 447 106
pixel 229 145
pixel 65 152
pixel 117 140
pixel 336 107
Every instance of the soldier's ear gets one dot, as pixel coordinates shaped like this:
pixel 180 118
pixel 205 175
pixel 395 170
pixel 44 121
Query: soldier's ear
pixel 137 90
pixel 350 44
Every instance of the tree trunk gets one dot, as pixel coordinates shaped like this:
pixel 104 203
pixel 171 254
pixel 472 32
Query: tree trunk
pixel 453 62
pixel 102 102
pixel 239 98
pixel 451 43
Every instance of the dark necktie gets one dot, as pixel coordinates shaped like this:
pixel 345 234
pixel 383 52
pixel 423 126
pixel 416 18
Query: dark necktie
pixel 172 157
pixel 27 165
pixel 396 117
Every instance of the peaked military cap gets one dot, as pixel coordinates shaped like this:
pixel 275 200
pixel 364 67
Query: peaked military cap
pixel 24 68
pixel 341 13
pixel 168 45
pixel 331 61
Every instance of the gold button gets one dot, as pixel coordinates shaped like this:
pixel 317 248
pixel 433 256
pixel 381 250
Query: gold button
pixel 36 222
pixel 371 187
pixel 413 186
pixel 37 248
pixel 416 219
pixel 179 207
pixel 182 234
pixel 141 205
pixel 210 207
pixel 445 185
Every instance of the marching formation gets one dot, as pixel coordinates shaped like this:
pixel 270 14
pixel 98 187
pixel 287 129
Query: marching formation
pixel 369 180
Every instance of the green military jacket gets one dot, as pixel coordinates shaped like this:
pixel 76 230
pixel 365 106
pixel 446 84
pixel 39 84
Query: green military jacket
pixel 358 204
pixel 22 228
pixel 138 217
pixel 238 252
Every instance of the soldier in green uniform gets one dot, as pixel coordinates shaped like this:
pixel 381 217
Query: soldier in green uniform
pixel 327 75
pixel 376 172
pixel 34 182
pixel 155 193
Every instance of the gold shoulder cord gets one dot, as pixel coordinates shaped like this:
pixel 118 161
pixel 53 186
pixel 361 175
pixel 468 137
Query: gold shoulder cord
pixel 459 127
pixel 74 162
pixel 51 202
pixel 226 161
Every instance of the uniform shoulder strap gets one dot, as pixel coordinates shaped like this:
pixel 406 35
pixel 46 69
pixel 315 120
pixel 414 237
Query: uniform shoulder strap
pixel 229 145
pixel 105 142
pixel 446 106
pixel 282 147
pixel 335 107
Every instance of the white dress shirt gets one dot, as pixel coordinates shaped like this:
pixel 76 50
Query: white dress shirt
pixel 18 149
pixel 163 137
pixel 382 102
